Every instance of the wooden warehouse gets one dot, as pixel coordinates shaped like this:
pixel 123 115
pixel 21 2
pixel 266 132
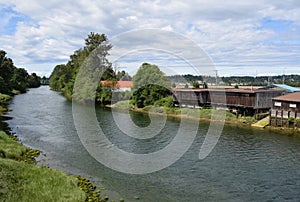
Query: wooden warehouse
pixel 288 102
pixel 286 110
pixel 245 101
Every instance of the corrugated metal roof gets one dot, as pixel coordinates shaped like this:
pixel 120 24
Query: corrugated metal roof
pixel 287 88
pixel 293 97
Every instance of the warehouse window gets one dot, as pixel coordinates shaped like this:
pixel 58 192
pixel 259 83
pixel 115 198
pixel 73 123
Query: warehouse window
pixel 277 104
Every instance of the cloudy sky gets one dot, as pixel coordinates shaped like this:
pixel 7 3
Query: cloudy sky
pixel 240 37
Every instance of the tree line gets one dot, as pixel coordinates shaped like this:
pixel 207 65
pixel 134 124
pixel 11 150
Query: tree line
pixel 13 79
pixel 149 84
pixel 64 75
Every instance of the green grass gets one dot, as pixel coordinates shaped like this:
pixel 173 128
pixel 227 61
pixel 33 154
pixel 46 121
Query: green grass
pixel 22 180
pixel 28 182
pixel 9 148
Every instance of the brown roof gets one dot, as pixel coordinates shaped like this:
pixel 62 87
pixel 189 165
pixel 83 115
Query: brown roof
pixel 293 97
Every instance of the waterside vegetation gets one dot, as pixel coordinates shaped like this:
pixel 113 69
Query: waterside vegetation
pixel 21 178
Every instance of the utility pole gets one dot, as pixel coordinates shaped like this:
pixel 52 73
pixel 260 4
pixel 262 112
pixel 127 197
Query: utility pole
pixel 216 76
pixel 283 76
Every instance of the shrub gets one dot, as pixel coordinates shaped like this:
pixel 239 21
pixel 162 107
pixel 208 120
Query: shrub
pixel 165 102
pixel 291 119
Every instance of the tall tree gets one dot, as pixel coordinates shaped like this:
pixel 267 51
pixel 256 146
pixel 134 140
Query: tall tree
pixel 89 60
pixel 149 84
pixel 13 78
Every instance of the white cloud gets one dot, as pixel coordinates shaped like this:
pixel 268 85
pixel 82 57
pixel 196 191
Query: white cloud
pixel 231 32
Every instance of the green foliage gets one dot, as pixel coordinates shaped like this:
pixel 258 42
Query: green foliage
pixel 13 78
pixel 196 84
pixel 105 91
pixel 19 80
pixel 9 148
pixel 249 120
pixel 4 98
pixel 165 102
pixel 148 95
pixel 34 81
pixel 22 180
pixel 149 74
pixel 91 63
pixel 123 76
pixel 149 85
pixel 28 182
pixel 291 119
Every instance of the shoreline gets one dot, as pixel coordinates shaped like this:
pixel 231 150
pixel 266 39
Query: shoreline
pixel 237 122
pixel 24 162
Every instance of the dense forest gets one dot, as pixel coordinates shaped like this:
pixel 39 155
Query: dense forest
pixel 13 79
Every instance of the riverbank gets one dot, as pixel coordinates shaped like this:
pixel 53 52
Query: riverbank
pixel 188 113
pixel 202 115
pixel 23 180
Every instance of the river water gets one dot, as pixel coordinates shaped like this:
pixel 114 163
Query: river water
pixel 247 164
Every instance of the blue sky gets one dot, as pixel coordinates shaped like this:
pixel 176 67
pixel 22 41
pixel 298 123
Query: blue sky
pixel 240 37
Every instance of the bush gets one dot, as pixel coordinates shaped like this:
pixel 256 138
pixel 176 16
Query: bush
pixel 165 102
pixel 4 98
pixel 249 120
pixel 291 119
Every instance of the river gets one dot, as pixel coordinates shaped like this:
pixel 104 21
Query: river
pixel 247 164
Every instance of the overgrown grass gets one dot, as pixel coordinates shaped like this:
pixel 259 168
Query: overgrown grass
pixel 28 182
pixel 9 148
pixel 22 180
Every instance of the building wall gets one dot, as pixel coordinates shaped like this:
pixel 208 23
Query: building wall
pixel 264 99
pixel 286 105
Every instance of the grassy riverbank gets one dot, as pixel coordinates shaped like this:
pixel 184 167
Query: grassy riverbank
pixel 23 180
pixel 201 114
